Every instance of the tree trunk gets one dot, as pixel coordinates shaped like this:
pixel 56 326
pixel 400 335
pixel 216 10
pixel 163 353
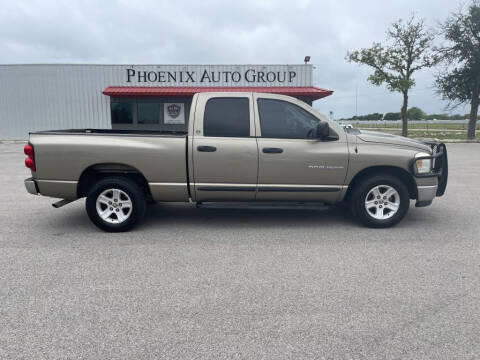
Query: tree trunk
pixel 404 114
pixel 472 122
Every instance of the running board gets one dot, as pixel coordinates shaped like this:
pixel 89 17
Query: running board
pixel 263 205
pixel 61 203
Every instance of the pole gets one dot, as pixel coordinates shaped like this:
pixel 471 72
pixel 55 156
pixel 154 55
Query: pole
pixel 356 100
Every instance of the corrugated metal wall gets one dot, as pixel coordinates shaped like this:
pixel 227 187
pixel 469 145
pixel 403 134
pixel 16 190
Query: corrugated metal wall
pixel 63 96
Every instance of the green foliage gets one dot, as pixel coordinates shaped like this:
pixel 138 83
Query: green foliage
pixel 456 86
pixel 446 117
pixel 407 50
pixel 374 116
pixel 392 116
pixel 461 76
pixel 415 113
pixel 459 83
pixel 437 117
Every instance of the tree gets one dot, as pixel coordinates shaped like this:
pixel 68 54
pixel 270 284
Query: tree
pixel 408 49
pixel 415 113
pixel 459 82
pixel 392 116
pixel 374 116
pixel 437 117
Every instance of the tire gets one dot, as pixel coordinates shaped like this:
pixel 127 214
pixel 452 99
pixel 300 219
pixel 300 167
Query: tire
pixel 115 204
pixel 376 212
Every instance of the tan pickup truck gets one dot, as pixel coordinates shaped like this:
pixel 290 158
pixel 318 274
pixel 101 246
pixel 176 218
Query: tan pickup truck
pixel 240 147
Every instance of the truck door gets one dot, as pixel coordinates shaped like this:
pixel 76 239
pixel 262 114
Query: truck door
pixel 293 165
pixel 224 148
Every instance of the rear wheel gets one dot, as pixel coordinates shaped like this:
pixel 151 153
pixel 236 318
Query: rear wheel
pixel 380 201
pixel 115 204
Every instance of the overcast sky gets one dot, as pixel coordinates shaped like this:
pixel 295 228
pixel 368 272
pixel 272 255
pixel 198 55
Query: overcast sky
pixel 224 32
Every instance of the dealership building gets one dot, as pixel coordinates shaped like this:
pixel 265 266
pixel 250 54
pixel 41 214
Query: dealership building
pixel 143 97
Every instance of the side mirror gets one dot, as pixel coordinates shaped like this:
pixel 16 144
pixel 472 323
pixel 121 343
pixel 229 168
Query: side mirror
pixel 323 130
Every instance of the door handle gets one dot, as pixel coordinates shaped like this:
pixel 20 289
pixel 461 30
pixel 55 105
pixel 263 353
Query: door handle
pixel 272 150
pixel 206 148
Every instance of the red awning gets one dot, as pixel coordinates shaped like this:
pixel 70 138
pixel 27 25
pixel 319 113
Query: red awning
pixel 311 92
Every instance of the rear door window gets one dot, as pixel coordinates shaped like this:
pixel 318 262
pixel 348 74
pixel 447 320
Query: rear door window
pixel 227 117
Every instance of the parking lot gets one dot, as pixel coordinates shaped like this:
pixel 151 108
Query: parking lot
pixel 240 284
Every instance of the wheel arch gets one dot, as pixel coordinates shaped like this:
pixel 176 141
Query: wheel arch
pixel 396 171
pixel 97 172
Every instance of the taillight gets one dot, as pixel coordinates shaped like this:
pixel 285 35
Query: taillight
pixel 29 163
pixel 30 160
pixel 28 150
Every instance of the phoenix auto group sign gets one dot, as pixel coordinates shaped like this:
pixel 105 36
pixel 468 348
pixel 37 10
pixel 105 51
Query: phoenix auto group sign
pixel 279 75
pixel 206 76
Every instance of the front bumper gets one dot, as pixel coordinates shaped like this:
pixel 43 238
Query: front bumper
pixel 425 194
pixel 31 186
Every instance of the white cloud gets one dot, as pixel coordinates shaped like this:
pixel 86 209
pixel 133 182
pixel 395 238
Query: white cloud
pixel 219 31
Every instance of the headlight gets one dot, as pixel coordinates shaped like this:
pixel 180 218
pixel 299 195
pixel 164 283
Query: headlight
pixel 424 166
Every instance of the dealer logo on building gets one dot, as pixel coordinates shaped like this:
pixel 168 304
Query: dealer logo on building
pixel 173 110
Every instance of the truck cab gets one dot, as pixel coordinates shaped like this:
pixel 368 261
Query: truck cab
pixel 264 147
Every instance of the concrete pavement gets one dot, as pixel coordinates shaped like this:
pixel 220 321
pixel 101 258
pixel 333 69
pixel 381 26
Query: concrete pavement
pixel 194 283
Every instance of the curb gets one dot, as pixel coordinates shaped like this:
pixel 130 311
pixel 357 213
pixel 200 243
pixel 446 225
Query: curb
pixel 476 141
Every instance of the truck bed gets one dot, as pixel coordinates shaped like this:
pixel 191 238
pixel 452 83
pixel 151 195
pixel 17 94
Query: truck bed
pixel 110 132
pixel 63 156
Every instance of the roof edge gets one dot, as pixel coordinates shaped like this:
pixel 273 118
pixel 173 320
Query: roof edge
pixel 176 91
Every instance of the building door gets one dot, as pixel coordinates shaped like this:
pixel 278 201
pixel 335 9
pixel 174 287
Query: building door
pixel 293 165
pixel 224 148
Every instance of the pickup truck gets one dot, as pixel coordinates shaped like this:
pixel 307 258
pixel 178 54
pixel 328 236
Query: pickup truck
pixel 240 147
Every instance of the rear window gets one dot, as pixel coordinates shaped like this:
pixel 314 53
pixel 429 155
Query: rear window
pixel 227 117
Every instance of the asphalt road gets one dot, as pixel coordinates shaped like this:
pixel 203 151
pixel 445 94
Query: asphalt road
pixel 240 284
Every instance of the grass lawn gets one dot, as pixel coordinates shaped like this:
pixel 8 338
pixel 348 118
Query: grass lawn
pixel 423 126
pixel 440 134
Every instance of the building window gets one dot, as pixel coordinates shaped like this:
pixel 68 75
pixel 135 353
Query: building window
pixel 227 117
pixel 122 113
pixel 283 120
pixel 148 113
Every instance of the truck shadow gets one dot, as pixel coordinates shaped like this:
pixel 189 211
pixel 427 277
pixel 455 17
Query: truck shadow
pixel 180 215
pixel 189 214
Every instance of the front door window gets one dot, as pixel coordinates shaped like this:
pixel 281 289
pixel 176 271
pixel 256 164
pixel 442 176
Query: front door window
pixel 283 120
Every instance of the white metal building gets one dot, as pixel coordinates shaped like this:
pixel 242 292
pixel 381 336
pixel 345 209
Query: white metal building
pixel 67 96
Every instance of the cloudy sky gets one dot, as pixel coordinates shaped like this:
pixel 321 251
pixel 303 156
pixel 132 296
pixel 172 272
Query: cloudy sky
pixel 224 32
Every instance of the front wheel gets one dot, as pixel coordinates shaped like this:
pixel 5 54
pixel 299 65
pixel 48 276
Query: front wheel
pixel 115 204
pixel 380 201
